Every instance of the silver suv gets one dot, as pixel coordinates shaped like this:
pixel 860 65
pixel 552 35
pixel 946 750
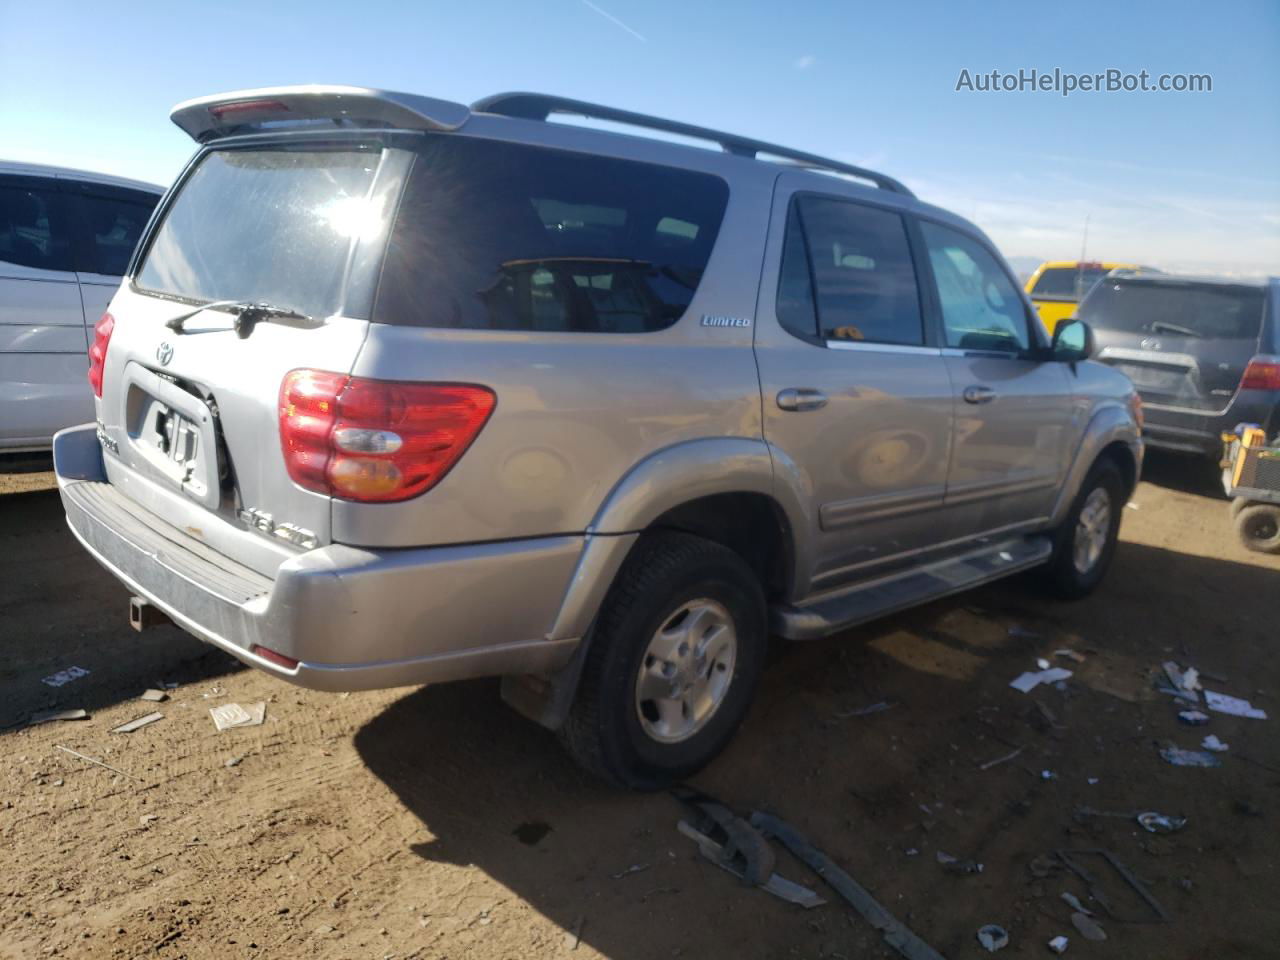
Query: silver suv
pixel 398 391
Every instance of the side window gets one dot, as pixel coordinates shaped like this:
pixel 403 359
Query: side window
pixel 981 308
pixel 114 225
pixel 795 307
pixel 863 272
pixel 33 230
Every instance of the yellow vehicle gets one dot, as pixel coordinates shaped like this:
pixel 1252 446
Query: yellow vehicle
pixel 1058 286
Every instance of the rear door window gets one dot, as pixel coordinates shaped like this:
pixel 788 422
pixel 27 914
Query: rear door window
pixel 981 306
pixel 113 222
pixel 272 224
pixel 503 236
pixel 847 269
pixel 34 231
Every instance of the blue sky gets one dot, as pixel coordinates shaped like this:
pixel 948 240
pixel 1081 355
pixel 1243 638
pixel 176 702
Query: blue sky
pixel 1187 181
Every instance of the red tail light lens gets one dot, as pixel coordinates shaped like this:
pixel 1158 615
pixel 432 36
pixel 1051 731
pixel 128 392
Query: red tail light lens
pixel 1263 373
pixel 221 110
pixel 98 352
pixel 375 441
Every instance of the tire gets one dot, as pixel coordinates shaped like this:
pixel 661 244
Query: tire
pixel 1238 504
pixel 1063 575
pixel 671 582
pixel 1258 526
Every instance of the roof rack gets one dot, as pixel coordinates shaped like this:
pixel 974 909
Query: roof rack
pixel 540 106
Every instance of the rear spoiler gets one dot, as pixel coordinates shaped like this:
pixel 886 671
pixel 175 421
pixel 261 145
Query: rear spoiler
pixel 247 111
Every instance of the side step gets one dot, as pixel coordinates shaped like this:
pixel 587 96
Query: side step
pixel 832 612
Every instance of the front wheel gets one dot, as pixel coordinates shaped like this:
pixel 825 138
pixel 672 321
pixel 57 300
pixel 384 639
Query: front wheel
pixel 1086 541
pixel 674 659
pixel 1258 526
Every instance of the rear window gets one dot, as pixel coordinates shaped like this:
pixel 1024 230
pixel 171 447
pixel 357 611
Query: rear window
pixel 272 225
pixel 1067 283
pixel 501 236
pixel 1213 312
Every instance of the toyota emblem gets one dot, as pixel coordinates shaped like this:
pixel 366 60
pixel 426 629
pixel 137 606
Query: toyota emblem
pixel 164 353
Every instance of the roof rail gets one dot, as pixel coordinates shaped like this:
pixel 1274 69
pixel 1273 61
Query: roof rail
pixel 540 106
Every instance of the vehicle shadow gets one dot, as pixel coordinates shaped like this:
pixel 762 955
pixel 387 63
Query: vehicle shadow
pixel 496 792
pixel 60 609
pixel 1186 474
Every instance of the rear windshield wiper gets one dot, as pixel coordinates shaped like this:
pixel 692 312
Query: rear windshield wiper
pixel 1173 328
pixel 246 315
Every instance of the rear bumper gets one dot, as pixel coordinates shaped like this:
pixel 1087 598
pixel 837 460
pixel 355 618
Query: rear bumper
pixel 1190 431
pixel 353 618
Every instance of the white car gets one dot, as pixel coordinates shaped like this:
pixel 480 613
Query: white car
pixel 66 237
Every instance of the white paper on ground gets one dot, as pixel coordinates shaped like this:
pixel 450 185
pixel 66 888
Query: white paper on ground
pixel 1233 705
pixel 1033 678
pixel 230 715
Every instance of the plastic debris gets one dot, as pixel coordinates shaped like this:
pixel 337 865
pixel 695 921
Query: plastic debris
pixel 1193 718
pixel 1074 903
pixel 634 868
pixel 47 715
pixel 1153 822
pixel 234 761
pixel 1058 944
pixel 1236 707
pixel 1189 758
pixel 1087 927
pixel 1093 781
pixel 1043 664
pixel 64 676
pixel 154 696
pixel 230 715
pixel 1211 742
pixel 1069 655
pixel 1048 775
pixel 1001 759
pixel 1175 676
pixel 993 938
pixel 137 724
pixel 775 884
pixel 1068 858
pixel 895 933
pixel 1028 681
pixel 1191 679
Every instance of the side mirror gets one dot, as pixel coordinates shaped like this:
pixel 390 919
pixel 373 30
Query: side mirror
pixel 1072 341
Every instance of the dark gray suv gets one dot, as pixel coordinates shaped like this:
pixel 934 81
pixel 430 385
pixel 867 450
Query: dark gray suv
pixel 1202 352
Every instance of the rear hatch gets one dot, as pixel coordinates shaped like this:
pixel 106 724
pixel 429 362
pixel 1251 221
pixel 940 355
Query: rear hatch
pixel 1183 343
pixel 191 414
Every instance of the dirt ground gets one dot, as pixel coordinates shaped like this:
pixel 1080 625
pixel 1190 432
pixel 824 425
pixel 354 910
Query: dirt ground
pixel 434 823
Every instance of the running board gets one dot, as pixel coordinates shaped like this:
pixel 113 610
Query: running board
pixel 833 612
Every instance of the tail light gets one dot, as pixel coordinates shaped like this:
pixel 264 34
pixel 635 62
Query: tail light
pixel 1263 373
pixel 1135 409
pixel 98 352
pixel 375 441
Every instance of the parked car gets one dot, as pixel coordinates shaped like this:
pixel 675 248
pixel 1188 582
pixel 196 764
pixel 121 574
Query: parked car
pixel 65 238
pixel 400 391
pixel 1058 286
pixel 1203 352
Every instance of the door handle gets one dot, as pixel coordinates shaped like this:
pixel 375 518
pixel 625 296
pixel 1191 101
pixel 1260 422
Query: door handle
pixel 801 398
pixel 978 394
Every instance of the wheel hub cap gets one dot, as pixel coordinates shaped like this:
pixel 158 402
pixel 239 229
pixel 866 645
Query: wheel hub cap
pixel 686 671
pixel 1092 530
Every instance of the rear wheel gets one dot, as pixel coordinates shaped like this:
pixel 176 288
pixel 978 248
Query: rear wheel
pixel 1086 541
pixel 1258 526
pixel 674 660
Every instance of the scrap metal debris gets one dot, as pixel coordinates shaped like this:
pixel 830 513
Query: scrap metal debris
pixel 1234 706
pixel 895 933
pixel 775 884
pixel 108 766
pixel 634 868
pixel 999 760
pixel 49 715
pixel 1058 944
pixel 1193 718
pixel 137 724
pixel 230 715
pixel 1068 858
pixel 1211 742
pixel 154 696
pixel 1153 822
pixel 1074 903
pixel 993 938
pixel 64 676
